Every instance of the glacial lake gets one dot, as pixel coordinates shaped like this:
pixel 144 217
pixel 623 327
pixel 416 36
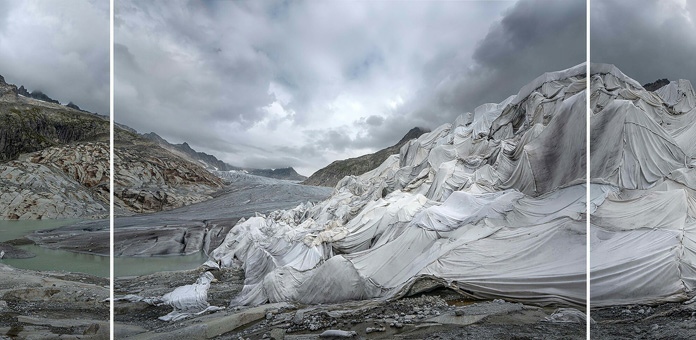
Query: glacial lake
pixel 61 260
pixel 50 259
pixel 136 266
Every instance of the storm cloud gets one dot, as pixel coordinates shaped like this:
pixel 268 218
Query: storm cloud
pixel 303 83
pixel 58 47
pixel 647 40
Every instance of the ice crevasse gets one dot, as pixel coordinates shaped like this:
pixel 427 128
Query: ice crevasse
pixel 491 205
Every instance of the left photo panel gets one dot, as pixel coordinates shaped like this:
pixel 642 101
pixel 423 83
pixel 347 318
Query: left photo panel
pixel 54 169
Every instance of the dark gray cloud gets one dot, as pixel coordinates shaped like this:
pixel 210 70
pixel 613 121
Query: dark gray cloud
pixel 650 41
pixel 58 47
pixel 307 82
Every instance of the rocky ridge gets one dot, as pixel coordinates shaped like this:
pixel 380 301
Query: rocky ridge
pixel 334 172
pixel 28 125
pixel 149 178
pixel 656 85
pixel 37 191
pixel 211 162
pixel 54 160
pixel 52 305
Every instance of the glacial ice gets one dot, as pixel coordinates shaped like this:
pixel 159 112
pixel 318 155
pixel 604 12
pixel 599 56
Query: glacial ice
pixel 491 205
pixel 643 229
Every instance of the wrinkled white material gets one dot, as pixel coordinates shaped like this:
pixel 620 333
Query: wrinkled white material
pixel 643 231
pixel 186 300
pixel 568 315
pixel 491 205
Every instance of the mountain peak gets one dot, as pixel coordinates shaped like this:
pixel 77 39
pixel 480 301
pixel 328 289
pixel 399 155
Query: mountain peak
pixel 656 85
pixel 334 172
pixel 413 133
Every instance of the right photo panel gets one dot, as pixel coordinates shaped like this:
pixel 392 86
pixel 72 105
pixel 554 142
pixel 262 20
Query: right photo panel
pixel 643 181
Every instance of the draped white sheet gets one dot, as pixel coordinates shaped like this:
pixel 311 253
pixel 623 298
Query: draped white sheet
pixel 643 233
pixel 492 204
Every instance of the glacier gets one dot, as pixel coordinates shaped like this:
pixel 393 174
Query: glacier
pixel 491 205
pixel 494 205
pixel 643 225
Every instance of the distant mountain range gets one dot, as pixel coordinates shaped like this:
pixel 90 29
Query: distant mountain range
pixel 334 172
pixel 212 163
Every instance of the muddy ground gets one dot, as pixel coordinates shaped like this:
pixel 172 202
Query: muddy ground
pixel 439 314
pixel 665 321
pixel 52 305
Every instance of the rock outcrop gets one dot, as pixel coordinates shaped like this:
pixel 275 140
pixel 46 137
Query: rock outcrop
pixel 656 85
pixel 37 191
pixel 149 178
pixel 334 172
pixel 28 124
pixel 54 160
pixel 86 163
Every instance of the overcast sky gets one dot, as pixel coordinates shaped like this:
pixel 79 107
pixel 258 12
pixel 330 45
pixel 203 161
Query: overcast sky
pixel 303 83
pixel 649 41
pixel 58 47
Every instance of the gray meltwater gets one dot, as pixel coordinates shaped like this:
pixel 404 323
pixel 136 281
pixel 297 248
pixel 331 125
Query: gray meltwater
pixel 136 266
pixel 50 259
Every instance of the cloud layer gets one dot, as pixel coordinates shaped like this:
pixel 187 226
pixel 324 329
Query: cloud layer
pixel 58 47
pixel 650 41
pixel 271 84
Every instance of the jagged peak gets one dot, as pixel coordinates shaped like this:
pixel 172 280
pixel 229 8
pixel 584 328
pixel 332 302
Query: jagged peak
pixel 413 133
pixel 656 85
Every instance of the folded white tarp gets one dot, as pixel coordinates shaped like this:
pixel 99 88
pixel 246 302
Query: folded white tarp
pixel 491 205
pixel 643 233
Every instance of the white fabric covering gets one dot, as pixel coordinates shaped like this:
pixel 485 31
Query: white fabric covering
pixel 643 232
pixel 491 205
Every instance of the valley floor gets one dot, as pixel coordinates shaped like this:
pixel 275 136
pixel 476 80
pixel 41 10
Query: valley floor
pixel 52 305
pixel 665 321
pixel 440 314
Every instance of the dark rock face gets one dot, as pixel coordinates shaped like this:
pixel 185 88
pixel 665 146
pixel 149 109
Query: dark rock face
pixel 42 97
pixel 656 85
pixel 27 128
pixel 334 172
pixel 27 125
pixel 7 91
pixel 149 178
pixel 23 91
pixel 73 106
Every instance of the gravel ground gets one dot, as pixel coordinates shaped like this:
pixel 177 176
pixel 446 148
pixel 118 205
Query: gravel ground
pixel 48 305
pixel 439 314
pixel 665 321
